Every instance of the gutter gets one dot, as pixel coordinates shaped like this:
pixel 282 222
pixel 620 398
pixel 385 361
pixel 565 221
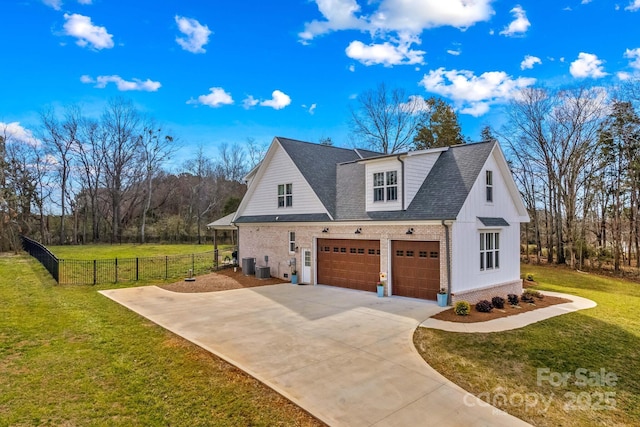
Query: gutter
pixel 447 244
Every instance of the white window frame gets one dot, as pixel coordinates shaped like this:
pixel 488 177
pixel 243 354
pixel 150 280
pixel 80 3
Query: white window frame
pixel 489 186
pixel 385 186
pixel 292 242
pixel 489 250
pixel 285 195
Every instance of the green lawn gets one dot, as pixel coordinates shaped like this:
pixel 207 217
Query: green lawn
pixel 69 356
pixel 502 368
pixel 128 250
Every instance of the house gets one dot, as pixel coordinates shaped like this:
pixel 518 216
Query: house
pixel 445 218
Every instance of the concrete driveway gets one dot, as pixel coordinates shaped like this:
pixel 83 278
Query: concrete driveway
pixel 345 356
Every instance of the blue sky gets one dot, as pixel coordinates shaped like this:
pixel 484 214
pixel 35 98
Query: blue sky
pixel 223 71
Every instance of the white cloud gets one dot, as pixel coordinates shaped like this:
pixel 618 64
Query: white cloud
pixel 122 84
pixel 14 131
pixel 529 61
pixel 634 56
pixel 312 109
pixel 386 53
pixel 633 6
pixel 623 75
pixel 453 52
pixel 249 102
pixel 197 35
pixel 352 68
pixel 278 100
pixel 519 25
pixel 216 98
pixel 587 65
pixel 56 4
pixel 411 16
pixel 82 28
pixel 474 94
pixel 85 1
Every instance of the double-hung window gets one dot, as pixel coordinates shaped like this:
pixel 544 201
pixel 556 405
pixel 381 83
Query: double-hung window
pixel 385 186
pixel 489 184
pixel 489 250
pixel 285 195
pixel 292 241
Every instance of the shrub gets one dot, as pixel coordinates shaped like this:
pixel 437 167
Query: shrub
pixel 497 302
pixel 462 308
pixel 513 299
pixel 484 306
pixel 534 293
pixel 529 277
pixel 526 297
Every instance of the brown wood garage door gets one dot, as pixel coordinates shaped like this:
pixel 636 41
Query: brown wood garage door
pixel 415 269
pixel 353 264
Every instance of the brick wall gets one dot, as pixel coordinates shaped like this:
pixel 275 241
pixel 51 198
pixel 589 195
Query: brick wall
pixel 489 292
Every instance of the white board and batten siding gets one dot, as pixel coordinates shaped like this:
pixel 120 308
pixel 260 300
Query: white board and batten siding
pixel 280 169
pixel 465 260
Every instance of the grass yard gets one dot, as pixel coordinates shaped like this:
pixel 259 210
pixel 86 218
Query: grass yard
pixel 503 368
pixel 69 356
pixel 105 251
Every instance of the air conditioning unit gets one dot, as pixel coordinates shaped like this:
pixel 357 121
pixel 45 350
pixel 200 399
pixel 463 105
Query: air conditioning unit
pixel 263 272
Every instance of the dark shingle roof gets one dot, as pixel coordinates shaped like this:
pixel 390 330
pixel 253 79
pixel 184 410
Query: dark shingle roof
pixel 318 163
pixel 447 186
pixel 320 217
pixel 493 222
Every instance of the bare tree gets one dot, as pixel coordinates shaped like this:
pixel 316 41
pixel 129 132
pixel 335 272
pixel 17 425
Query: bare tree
pixel 203 197
pixel 231 163
pixel 385 119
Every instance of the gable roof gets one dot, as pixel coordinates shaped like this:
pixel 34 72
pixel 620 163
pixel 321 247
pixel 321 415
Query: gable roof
pixel 318 164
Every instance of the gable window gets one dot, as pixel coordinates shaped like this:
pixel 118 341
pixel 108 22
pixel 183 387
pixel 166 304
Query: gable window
pixel 489 183
pixel 292 241
pixel 285 195
pixel 489 251
pixel 385 186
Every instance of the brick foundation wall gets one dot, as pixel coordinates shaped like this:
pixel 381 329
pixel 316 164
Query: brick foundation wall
pixel 501 290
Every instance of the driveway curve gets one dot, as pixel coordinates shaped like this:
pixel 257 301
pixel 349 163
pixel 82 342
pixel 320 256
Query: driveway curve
pixel 345 356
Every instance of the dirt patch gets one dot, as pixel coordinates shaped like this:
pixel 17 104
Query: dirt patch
pixel 222 280
pixel 508 310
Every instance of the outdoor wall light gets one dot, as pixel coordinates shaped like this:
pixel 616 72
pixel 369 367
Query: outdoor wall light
pixel 410 231
pixel 325 230
pixel 358 230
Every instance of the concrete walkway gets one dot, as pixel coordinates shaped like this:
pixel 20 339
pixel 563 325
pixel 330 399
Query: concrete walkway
pixel 516 321
pixel 345 356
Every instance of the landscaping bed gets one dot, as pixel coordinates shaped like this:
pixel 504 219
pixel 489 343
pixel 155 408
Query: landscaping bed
pixel 222 280
pixel 496 313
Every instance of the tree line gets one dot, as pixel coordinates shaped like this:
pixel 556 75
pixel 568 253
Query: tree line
pixel 81 179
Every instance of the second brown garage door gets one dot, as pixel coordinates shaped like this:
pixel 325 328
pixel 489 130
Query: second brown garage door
pixel 347 263
pixel 415 269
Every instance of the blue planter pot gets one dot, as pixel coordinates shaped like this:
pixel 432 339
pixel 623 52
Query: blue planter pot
pixel 294 279
pixel 380 291
pixel 442 300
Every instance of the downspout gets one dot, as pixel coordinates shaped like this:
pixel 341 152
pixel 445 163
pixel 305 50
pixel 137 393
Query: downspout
pixel 402 174
pixel 446 237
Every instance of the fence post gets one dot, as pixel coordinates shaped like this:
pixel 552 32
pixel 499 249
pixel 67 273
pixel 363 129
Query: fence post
pixel 136 269
pixel 193 265
pixel 95 272
pixel 215 259
pixel 116 270
pixel 166 267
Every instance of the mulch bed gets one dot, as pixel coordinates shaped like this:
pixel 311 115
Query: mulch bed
pixel 222 280
pixel 476 316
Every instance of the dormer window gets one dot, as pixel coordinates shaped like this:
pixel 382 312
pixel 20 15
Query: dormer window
pixel 385 186
pixel 285 195
pixel 489 184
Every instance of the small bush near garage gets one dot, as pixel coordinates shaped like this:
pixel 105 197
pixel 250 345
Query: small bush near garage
pixel 497 302
pixel 527 297
pixel 513 299
pixel 534 293
pixel 484 306
pixel 462 308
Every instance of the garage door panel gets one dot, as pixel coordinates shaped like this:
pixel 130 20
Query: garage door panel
pixel 353 264
pixel 415 267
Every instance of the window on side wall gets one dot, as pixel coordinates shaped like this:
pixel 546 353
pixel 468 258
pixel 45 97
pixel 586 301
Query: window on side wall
pixel 489 184
pixel 489 251
pixel 292 241
pixel 285 195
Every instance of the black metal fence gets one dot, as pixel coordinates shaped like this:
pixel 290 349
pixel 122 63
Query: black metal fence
pixel 42 254
pixel 99 271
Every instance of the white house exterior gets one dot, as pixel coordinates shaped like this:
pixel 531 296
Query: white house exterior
pixel 446 218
